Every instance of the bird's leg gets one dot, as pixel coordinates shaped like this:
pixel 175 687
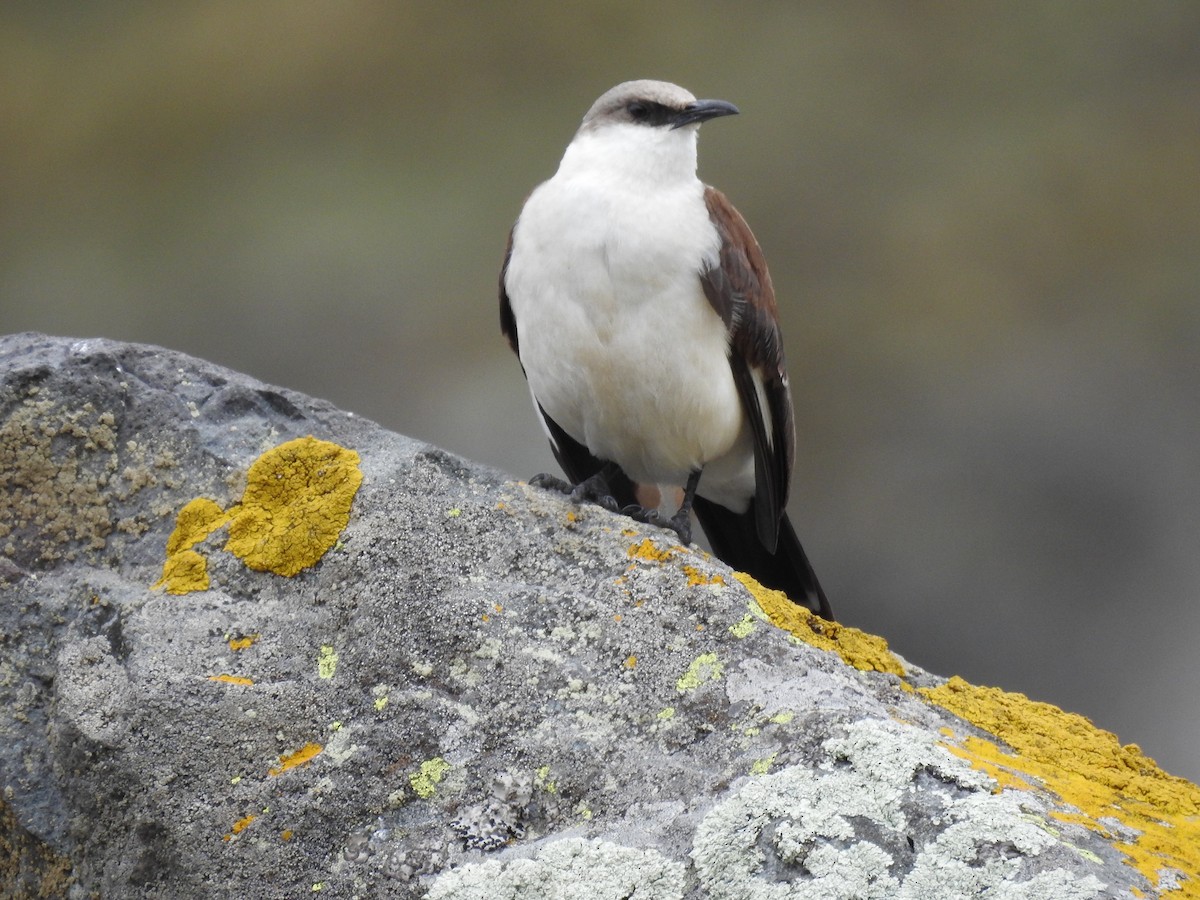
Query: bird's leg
pixel 681 522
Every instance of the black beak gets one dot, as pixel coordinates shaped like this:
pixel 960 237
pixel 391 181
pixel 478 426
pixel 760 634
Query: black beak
pixel 702 111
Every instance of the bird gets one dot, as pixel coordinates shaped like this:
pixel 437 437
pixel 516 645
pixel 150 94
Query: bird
pixel 640 307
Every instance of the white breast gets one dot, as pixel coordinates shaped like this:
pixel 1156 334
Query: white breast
pixel 620 345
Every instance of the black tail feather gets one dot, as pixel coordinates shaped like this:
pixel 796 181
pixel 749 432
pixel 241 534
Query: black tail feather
pixel 734 540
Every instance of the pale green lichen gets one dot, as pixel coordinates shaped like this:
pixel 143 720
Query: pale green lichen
pixel 705 667
pixel 743 628
pixel 425 781
pixel 569 868
pixel 763 766
pixel 326 662
pixel 542 780
pixel 811 817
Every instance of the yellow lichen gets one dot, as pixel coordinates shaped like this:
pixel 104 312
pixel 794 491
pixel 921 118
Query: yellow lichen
pixel 296 503
pixel 696 577
pixel 184 572
pixel 856 648
pixel 297 758
pixel 197 520
pixel 648 551
pixel 1089 769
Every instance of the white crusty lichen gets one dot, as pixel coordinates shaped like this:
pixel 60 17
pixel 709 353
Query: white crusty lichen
pixel 846 830
pixel 568 869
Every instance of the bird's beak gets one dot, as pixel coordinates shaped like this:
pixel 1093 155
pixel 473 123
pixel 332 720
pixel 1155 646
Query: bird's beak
pixel 702 111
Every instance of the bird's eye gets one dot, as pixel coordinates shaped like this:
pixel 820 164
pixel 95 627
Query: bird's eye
pixel 638 110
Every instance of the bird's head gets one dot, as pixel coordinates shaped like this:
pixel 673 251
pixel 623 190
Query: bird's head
pixel 646 127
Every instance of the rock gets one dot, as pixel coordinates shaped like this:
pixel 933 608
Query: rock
pixel 255 646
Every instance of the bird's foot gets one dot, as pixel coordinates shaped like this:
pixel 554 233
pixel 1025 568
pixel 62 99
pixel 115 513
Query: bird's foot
pixel 551 483
pixel 680 523
pixel 594 489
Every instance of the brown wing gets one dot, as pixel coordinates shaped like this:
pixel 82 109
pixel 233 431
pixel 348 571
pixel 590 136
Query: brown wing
pixel 739 289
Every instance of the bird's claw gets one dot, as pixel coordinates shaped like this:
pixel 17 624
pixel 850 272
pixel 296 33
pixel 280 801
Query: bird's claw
pixel 681 524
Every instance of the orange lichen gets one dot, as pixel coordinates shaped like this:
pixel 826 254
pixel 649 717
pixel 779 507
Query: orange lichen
pixel 1089 769
pixel 239 826
pixel 856 648
pixel 231 679
pixel 297 758
pixel 244 642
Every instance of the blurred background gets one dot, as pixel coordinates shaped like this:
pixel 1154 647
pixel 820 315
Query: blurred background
pixel 983 223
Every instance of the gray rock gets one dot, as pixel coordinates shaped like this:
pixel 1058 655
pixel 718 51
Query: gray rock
pixel 470 689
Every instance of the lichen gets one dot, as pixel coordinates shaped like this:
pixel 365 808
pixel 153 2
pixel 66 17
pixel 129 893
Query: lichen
pixel 296 503
pixel 26 860
pixel 425 781
pixel 300 757
pixel 327 662
pixel 647 551
pixel 571 867
pixel 696 577
pixel 705 667
pixel 184 572
pixel 499 819
pixel 856 648
pixel 244 642
pixel 744 627
pixel 239 826
pixel 1089 769
pixel 56 466
pixel 231 679
pixel 845 825
pixel 197 520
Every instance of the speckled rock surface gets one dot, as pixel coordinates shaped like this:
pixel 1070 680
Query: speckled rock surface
pixel 478 691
